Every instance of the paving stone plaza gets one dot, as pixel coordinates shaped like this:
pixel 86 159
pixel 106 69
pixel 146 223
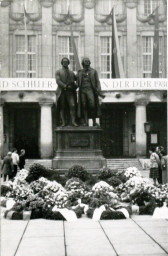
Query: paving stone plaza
pixel 140 235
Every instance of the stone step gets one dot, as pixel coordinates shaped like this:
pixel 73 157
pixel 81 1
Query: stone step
pixel 123 163
pixel 115 163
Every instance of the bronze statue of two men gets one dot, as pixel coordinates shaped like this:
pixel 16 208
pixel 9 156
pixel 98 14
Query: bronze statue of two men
pixel 88 95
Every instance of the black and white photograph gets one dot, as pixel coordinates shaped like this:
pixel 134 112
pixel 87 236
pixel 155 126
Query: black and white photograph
pixel 83 128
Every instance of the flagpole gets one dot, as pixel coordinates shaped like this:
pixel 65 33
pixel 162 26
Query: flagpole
pixel 76 58
pixel 26 42
pixel 155 63
pixel 116 62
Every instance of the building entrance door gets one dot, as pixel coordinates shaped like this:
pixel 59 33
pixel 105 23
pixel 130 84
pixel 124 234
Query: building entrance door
pixel 112 137
pixel 26 131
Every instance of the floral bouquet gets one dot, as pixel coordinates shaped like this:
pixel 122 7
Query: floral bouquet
pixel 45 184
pixel 160 193
pixel 102 186
pixel 53 186
pixel 105 173
pixel 21 176
pixel 76 190
pixel 37 185
pixel 131 172
pixel 61 199
pixel 21 192
pixel 102 194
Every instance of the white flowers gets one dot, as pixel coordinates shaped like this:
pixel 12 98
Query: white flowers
pixel 61 199
pixel 132 171
pixel 22 174
pixel 101 185
pixel 52 186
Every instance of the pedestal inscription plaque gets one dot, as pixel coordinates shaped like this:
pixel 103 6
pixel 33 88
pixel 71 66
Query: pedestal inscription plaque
pixel 78 145
pixel 79 142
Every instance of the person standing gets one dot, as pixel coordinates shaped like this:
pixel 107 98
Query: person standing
pixel 22 159
pixel 15 160
pixel 154 165
pixel 161 152
pixel 66 92
pixel 89 90
pixel 7 166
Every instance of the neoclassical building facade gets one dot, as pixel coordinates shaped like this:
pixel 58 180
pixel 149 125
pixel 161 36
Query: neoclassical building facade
pixel 28 117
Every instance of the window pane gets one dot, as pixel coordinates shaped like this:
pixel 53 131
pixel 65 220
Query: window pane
pixel 20 55
pixel 20 75
pixel 31 43
pixel 20 43
pixel 105 57
pixel 63 44
pixel 72 63
pixel 148 56
pixel 31 62
pixel 147 64
pixel 31 75
pixel 105 44
pixel 150 6
pixel 66 50
pixel 20 62
pixel 147 42
pixel 71 46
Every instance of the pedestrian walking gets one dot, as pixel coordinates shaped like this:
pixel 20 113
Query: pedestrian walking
pixel 7 167
pixel 15 160
pixel 154 165
pixel 22 159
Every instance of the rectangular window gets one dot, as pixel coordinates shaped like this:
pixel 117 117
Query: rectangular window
pixel 150 6
pixel 20 56
pixel 66 50
pixel 148 56
pixel 105 56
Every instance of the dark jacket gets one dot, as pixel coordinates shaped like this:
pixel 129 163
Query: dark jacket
pixel 7 166
pixel 21 161
pixel 63 79
pixel 93 75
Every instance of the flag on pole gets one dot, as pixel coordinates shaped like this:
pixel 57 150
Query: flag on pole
pixel 76 58
pixel 75 51
pixel 26 41
pixel 155 64
pixel 116 62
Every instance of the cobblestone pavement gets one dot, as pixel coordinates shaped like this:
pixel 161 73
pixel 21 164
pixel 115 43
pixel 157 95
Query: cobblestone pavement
pixel 140 235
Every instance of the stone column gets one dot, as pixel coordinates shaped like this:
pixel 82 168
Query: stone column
pixel 1 130
pixel 131 39
pixel 89 35
pixel 46 135
pixel 141 137
pixel 46 39
pixel 4 45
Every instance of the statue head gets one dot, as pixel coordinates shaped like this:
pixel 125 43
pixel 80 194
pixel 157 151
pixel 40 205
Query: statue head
pixel 86 62
pixel 65 62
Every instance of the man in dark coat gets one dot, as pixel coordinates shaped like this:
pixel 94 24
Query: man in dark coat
pixel 7 166
pixel 89 90
pixel 66 92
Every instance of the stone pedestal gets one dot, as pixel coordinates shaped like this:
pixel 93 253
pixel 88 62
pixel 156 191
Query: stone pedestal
pixel 78 146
